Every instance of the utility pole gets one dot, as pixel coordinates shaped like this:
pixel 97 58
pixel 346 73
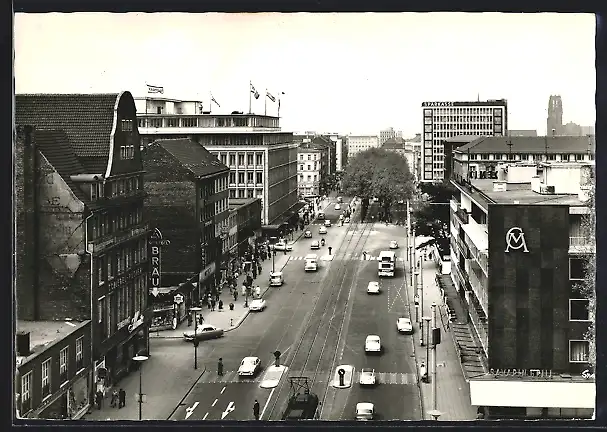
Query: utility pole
pixel 421 294
pixel 434 386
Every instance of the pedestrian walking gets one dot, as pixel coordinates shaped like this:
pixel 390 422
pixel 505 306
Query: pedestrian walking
pixel 330 248
pixel 213 304
pixel 256 409
pixel 220 367
pixel 243 291
pixel 216 297
pixel 235 294
pixel 121 398
pixel 114 399
pixel 220 304
pixel 257 291
pixel 98 399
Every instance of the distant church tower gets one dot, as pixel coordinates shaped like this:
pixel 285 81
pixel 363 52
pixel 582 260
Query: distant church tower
pixel 554 123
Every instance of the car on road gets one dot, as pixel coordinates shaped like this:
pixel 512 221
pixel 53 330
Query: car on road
pixel 404 325
pixel 393 244
pixel 364 411
pixel 337 207
pixel 276 279
pixel 257 305
pixel 340 199
pixel 367 377
pixel 321 215
pixel 249 366
pixel 322 230
pixel 327 223
pixel 373 288
pixel 203 332
pixel 308 234
pixel 372 344
pixel 283 246
pixel 272 377
pixel 315 245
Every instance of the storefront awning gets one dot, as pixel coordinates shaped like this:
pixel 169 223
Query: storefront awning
pixel 533 394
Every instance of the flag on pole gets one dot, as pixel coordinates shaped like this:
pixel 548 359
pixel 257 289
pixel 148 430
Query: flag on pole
pixel 213 100
pixel 155 89
pixel 255 92
pixel 269 96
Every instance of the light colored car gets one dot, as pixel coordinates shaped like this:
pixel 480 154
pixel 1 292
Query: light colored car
pixel 327 223
pixel 404 325
pixel 393 244
pixel 272 377
pixel 367 376
pixel 282 246
pixel 322 230
pixel 203 332
pixel 315 245
pixel 249 366
pixel 373 288
pixel 308 234
pixel 257 305
pixel 337 207
pixel 372 344
pixel 364 411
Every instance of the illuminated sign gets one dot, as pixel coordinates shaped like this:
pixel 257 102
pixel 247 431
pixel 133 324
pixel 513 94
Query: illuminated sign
pixel 534 373
pixel 437 104
pixel 156 241
pixel 136 321
pixel 515 240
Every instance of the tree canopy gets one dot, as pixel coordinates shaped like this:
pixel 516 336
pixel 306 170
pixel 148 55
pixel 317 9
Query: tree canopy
pixel 378 173
pixel 431 213
pixel 588 285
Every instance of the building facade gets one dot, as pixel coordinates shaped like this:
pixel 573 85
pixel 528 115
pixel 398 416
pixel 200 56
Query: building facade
pixel 90 240
pixel 442 120
pixel 386 134
pixel 310 170
pixel 248 220
pixel 262 159
pixel 359 143
pixel 187 202
pixel 554 122
pixel 517 252
pixel 53 369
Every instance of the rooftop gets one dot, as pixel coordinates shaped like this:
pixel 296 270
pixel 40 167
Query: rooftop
pixel 521 193
pixel 45 333
pixel 529 145
pixel 192 156
pixel 394 143
pixel 463 138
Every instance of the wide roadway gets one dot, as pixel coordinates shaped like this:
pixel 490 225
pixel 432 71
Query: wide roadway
pixel 259 335
pixel 396 396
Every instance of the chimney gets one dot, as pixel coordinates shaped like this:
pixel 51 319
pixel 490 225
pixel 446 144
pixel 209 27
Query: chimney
pixel 23 344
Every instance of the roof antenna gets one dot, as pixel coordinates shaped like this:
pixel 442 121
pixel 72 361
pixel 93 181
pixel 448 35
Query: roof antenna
pixel 478 97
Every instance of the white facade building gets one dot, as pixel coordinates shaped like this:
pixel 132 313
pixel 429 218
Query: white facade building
pixel 359 143
pixel 442 120
pixel 309 171
pixel 386 134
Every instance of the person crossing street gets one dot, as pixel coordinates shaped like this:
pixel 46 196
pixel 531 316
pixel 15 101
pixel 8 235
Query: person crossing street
pixel 256 409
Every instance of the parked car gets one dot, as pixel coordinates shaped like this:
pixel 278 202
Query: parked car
pixel 404 325
pixel 327 223
pixel 203 332
pixel 257 305
pixel 315 245
pixel 372 344
pixel 308 234
pixel 367 376
pixel 322 230
pixel 373 288
pixel 364 411
pixel 249 366
pixel 337 207
pixel 393 244
pixel 282 246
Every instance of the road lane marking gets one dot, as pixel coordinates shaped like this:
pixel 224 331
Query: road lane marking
pixel 205 416
pixel 190 411
pixel 267 402
pixel 223 389
pixel 214 402
pixel 228 410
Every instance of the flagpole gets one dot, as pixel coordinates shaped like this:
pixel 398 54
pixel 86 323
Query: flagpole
pixel 210 102
pixel 250 84
pixel 265 103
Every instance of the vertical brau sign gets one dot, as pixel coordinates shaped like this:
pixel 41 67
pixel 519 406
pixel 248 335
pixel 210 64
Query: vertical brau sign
pixel 156 242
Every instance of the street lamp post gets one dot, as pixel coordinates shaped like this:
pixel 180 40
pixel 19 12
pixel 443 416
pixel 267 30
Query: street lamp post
pixel 140 359
pixel 421 291
pixel 426 319
pixel 273 255
pixel 434 385
pixel 195 309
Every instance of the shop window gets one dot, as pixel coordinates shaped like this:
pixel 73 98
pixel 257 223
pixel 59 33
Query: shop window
pixel 63 364
pixel 578 351
pixel 79 353
pixel 26 392
pixel 46 378
pixel 576 269
pixel 578 310
pixel 100 270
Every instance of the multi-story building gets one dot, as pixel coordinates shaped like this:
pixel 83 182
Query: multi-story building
pixel 311 167
pixel 359 143
pixel 401 147
pixel 187 202
pixel 386 134
pixel 162 105
pixel 327 143
pixel 517 253
pixel 53 369
pixel 248 222
pixel 416 144
pixel 86 242
pixel 262 159
pixel 554 122
pixel 341 153
pixel 442 120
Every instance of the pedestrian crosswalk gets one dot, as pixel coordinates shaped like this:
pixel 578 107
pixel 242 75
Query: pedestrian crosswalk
pixel 391 378
pixel 348 256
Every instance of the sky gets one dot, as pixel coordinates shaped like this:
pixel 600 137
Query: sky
pixel 348 73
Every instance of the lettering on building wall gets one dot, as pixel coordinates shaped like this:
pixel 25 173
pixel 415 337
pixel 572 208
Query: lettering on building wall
pixel 437 104
pixel 155 243
pixel 515 240
pixel 534 373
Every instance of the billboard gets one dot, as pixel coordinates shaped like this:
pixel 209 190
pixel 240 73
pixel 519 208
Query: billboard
pixel 528 286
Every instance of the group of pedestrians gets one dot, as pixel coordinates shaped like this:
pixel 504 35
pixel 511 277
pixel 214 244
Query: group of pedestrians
pixel 118 398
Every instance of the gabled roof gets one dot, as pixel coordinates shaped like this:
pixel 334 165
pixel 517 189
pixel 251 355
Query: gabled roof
pixel 87 119
pixel 533 145
pixel 192 156
pixel 322 141
pixel 394 143
pixel 56 148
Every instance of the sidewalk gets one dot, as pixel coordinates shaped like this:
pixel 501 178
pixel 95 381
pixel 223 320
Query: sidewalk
pixel 453 392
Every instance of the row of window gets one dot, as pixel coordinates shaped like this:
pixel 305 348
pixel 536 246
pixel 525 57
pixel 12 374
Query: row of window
pixel 246 193
pixel 116 262
pixel 474 128
pixel 114 188
pixel 206 121
pixel 301 167
pixel 531 157
pixel 230 158
pixel 103 223
pixel 45 376
pixel 127 152
pixel 311 156
pixel 251 177
pixel 463 111
pixel 130 298
pixel 309 177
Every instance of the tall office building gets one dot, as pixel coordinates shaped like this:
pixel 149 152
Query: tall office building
pixel 442 120
pixel 386 134
pixel 554 122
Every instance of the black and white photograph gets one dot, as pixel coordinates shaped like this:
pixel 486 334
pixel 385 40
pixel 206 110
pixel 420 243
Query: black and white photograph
pixel 273 217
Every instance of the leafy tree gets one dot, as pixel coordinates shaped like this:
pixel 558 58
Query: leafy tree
pixel 588 286
pixel 431 212
pixel 378 173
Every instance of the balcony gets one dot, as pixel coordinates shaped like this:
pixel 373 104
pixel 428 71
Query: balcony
pixel 581 245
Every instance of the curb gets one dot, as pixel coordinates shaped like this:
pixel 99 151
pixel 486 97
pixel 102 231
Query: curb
pixel 188 392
